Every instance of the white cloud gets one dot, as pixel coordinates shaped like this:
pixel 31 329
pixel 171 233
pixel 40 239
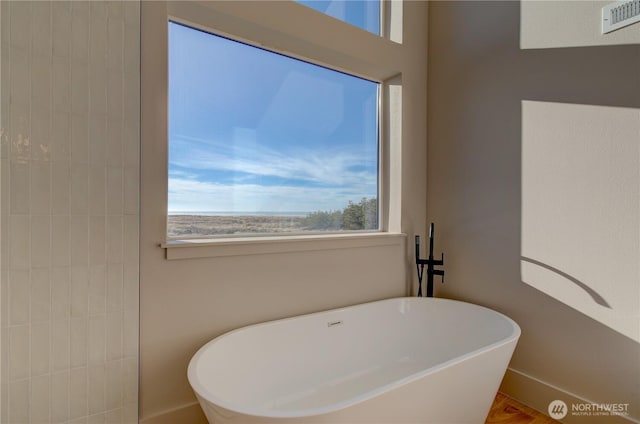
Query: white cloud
pixel 320 166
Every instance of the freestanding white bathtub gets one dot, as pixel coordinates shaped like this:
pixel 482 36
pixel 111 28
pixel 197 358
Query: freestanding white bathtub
pixel 404 360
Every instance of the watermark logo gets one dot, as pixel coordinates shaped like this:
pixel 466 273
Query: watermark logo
pixel 558 409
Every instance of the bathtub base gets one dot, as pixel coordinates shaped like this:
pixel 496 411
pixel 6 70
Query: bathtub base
pixel 460 393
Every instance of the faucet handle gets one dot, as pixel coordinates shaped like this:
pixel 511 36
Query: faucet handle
pixel 438 261
pixel 440 272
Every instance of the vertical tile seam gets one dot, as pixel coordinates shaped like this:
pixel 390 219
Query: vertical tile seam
pixel 28 185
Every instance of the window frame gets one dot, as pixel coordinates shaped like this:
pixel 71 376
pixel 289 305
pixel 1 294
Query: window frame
pixel 273 27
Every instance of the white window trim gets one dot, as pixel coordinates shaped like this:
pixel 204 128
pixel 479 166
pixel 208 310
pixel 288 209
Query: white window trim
pixel 274 26
pixel 203 248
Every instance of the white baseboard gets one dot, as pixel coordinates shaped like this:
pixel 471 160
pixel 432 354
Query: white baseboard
pixel 187 414
pixel 537 394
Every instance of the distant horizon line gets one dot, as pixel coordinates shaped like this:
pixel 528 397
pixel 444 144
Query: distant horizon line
pixel 242 213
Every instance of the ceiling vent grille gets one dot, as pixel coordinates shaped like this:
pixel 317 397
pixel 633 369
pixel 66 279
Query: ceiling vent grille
pixel 620 14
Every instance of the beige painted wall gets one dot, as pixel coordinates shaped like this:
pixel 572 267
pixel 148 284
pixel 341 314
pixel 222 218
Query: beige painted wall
pixel 581 200
pixel 548 24
pixel 184 303
pixel 478 78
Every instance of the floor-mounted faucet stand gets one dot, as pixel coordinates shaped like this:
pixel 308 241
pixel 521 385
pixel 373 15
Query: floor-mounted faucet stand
pixel 430 263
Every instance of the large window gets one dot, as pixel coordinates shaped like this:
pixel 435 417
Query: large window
pixel 264 143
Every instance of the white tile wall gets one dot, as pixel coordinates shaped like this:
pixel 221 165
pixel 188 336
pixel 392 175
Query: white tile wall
pixel 69 174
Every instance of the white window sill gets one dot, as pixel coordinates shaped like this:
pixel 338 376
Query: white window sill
pixel 211 248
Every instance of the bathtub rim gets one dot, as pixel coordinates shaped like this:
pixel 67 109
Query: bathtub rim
pixel 203 393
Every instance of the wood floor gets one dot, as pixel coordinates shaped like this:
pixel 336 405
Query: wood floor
pixel 507 411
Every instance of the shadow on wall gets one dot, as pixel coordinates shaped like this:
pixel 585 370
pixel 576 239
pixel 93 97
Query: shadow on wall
pixel 580 209
pixel 493 163
pixel 594 294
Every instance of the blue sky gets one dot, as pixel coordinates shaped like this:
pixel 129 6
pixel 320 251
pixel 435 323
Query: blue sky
pixel 250 130
pixel 361 13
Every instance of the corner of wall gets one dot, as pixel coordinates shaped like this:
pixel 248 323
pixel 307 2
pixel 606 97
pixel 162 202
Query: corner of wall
pixel 186 414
